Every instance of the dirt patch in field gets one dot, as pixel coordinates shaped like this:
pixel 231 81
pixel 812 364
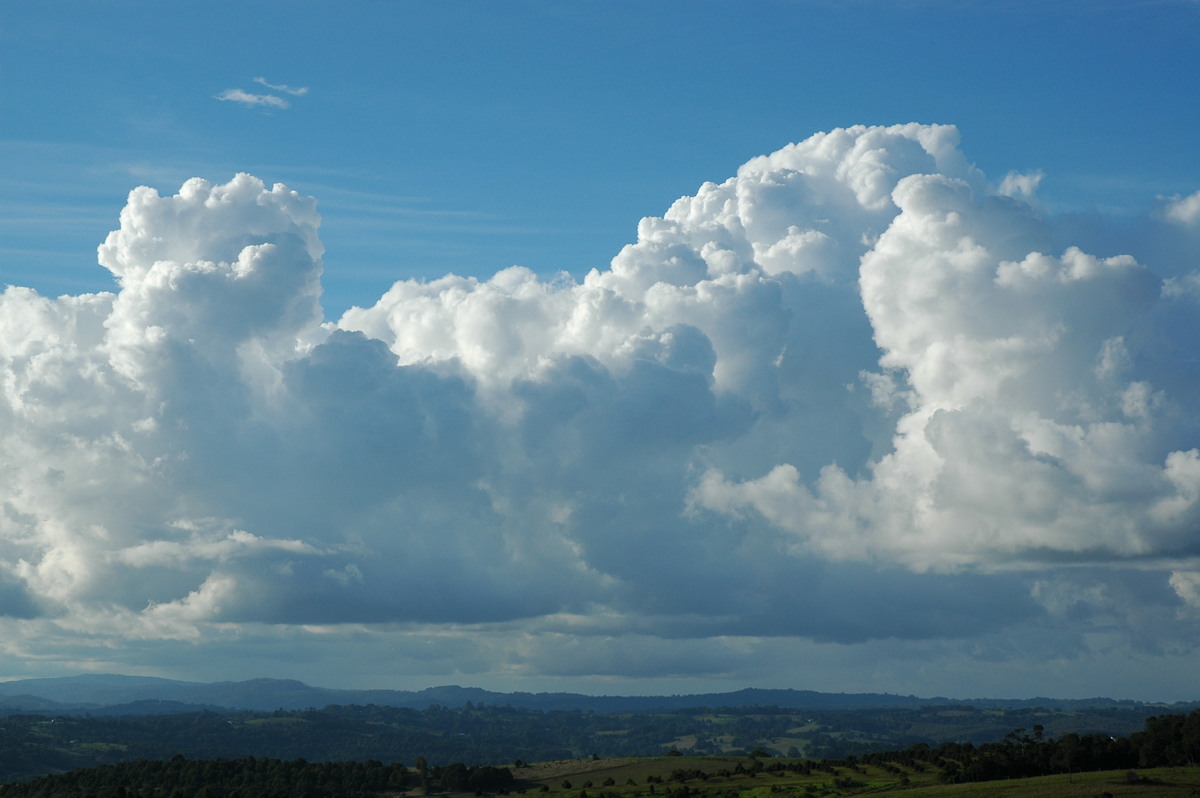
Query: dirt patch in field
pixel 565 768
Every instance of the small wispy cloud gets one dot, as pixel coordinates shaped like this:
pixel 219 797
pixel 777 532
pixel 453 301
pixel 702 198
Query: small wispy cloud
pixel 295 91
pixel 252 100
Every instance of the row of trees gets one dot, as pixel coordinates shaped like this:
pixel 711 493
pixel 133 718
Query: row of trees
pixel 1165 741
pixel 212 778
pixel 180 777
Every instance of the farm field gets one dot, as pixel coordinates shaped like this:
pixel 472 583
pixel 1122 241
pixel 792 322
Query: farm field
pixel 638 778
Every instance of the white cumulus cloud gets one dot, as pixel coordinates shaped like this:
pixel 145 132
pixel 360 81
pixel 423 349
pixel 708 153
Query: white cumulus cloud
pixel 851 376
pixel 1184 210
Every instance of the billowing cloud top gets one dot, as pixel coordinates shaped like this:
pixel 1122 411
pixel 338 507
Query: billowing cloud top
pixel 856 375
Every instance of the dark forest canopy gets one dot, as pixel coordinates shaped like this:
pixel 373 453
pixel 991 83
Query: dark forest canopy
pixel 35 744
pixel 1172 740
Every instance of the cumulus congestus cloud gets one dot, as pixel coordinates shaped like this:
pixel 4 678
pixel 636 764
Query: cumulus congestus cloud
pixel 857 374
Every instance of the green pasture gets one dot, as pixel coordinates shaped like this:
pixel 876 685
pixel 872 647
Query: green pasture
pixel 643 778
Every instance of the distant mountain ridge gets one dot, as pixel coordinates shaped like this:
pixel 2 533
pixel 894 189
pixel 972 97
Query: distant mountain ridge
pixel 115 694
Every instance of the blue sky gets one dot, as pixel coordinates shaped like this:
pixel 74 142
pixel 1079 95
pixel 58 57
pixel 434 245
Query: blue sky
pixel 471 136
pixel 603 346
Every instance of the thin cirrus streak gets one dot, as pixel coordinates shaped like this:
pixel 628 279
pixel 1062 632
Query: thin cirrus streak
pixel 247 98
pixel 293 90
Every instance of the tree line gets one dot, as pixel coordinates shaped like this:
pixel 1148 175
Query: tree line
pixel 1165 741
pixel 251 777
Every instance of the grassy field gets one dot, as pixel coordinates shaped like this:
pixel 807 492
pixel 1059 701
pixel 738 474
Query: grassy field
pixel 643 778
